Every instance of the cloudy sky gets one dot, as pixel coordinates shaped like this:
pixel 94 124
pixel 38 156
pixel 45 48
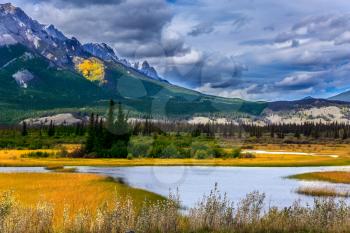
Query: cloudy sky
pixel 252 49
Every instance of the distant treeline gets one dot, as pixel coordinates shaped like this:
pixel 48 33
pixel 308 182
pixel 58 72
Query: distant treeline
pixel 309 130
pixel 148 127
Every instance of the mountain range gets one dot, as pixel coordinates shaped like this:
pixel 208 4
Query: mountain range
pixel 43 72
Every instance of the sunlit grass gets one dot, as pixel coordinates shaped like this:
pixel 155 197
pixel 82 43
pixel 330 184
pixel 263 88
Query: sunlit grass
pixel 213 213
pixel 13 158
pixel 61 169
pixel 331 176
pixel 322 192
pixel 76 191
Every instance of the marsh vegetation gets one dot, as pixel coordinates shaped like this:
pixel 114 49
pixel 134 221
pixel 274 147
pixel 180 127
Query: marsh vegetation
pixel 214 213
pixel 342 177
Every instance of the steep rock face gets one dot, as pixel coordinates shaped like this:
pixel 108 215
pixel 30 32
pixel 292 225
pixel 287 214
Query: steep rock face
pixel 101 51
pixel 345 96
pixel 23 77
pixel 150 71
pixel 107 54
pixel 17 27
pixel 48 41
pixel 55 33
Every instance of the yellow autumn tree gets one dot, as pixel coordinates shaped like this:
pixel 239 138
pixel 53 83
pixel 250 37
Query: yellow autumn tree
pixel 92 69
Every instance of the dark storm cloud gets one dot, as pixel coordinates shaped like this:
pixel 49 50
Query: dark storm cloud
pixel 201 29
pixel 81 2
pixel 215 70
pixel 322 28
pixel 298 81
pixel 233 79
pixel 131 26
pixel 293 47
pixel 226 84
pixel 257 42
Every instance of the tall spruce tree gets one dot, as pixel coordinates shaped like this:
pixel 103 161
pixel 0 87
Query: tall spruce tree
pixel 109 138
pixel 109 132
pixel 122 134
pixel 24 131
pixel 90 141
pixel 51 131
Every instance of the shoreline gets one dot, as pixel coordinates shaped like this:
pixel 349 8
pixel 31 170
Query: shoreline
pixel 321 162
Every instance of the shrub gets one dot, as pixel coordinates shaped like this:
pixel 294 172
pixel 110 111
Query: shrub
pixel 35 145
pixel 201 154
pixel 247 156
pixel 119 150
pixel 139 149
pixel 170 151
pixel 37 154
pixel 155 151
pixel 236 152
pixel 63 152
pixel 199 146
pixel 184 153
pixel 77 153
pixel 184 141
pixel 218 152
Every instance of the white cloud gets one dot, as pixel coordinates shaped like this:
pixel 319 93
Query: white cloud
pixel 203 44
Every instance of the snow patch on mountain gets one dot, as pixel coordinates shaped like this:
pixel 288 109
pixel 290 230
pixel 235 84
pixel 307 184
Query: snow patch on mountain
pixel 149 71
pixel 23 77
pixel 46 40
pixel 7 8
pixel 6 39
pixel 52 31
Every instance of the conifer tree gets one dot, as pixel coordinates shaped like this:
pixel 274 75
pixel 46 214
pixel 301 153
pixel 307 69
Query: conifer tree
pixel 24 129
pixel 89 146
pixel 51 131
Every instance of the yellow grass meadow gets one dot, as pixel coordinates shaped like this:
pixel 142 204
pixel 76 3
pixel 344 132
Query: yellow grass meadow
pixel 322 192
pixel 331 176
pixel 75 192
pixel 339 156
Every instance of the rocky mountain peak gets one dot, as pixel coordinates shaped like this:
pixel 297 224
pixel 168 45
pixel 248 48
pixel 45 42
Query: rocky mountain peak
pixel 102 51
pixel 17 14
pixel 17 27
pixel 149 71
pixel 8 8
pixel 55 33
pixel 145 65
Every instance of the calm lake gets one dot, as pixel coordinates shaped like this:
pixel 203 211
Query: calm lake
pixel 194 182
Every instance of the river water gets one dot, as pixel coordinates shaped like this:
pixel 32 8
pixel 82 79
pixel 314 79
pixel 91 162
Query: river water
pixel 195 181
pixel 236 182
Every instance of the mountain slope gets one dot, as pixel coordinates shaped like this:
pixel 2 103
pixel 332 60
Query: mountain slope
pixel 305 103
pixel 28 81
pixel 31 83
pixel 345 96
pixel 43 72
